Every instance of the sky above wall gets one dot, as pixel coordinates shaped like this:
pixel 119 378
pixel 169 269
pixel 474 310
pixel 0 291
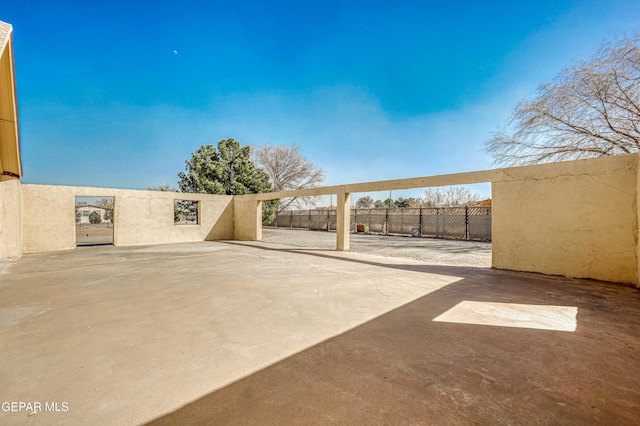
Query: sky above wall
pixel 120 93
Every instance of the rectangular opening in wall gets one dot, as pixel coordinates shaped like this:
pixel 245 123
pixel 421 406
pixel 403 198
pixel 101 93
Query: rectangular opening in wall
pixel 94 221
pixel 439 224
pixel 186 212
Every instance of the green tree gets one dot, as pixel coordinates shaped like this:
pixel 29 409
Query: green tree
pixel 227 170
pixel 365 202
pixel 94 217
pixel 379 204
pixel 78 215
pixel 405 202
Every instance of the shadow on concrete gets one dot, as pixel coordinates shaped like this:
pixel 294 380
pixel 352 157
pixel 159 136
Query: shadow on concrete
pixel 404 368
pixel 455 271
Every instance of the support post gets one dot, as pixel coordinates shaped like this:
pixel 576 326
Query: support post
pixel 466 222
pixel 386 220
pixel 329 218
pixel 343 216
pixel 355 221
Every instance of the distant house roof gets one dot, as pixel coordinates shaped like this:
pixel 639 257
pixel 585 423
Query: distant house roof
pixel 89 206
pixel 10 162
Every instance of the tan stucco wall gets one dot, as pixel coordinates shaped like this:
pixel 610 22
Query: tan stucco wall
pixel 146 217
pixel 140 217
pixel 10 219
pixel 577 219
pixel 48 218
pixel 247 219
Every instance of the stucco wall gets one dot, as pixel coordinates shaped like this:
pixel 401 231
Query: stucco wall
pixel 146 217
pixel 10 219
pixel 247 213
pixel 576 219
pixel 140 217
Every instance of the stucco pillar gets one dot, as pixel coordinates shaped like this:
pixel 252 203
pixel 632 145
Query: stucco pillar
pixel 343 217
pixel 247 219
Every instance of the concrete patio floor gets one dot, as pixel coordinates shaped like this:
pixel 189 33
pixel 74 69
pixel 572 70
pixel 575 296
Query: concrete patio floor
pixel 264 333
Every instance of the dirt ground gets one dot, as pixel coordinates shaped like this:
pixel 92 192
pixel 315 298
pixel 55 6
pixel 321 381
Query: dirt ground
pixel 429 250
pixel 90 234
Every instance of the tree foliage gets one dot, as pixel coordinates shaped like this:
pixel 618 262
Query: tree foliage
pixel 94 218
pixel 107 204
pixel 452 196
pixel 381 204
pixel 365 202
pixel 406 202
pixel 185 211
pixel 227 170
pixel 163 188
pixel 591 109
pixel 288 170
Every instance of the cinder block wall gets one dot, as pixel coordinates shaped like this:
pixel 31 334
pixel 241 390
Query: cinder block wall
pixel 575 219
pixel 140 217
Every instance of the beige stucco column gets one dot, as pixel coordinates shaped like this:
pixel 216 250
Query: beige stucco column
pixel 342 221
pixel 247 219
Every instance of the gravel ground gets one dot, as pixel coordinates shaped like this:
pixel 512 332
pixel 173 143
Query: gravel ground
pixel 429 250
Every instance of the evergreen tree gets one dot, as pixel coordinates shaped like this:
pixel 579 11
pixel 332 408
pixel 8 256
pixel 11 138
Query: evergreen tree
pixel 227 170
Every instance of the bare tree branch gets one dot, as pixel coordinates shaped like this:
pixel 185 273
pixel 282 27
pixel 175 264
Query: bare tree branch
pixel 591 109
pixel 288 170
pixel 453 196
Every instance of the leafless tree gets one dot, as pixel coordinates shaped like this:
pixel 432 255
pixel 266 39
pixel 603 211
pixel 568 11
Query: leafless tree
pixel 288 169
pixel 163 188
pixel 452 196
pixel 105 202
pixel 591 109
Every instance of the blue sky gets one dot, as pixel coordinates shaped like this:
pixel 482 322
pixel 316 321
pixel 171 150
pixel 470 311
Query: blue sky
pixel 119 94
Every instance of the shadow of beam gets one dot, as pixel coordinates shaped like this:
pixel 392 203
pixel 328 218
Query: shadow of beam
pixel 449 270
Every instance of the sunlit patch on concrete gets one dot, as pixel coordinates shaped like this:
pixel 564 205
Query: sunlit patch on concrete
pixel 539 317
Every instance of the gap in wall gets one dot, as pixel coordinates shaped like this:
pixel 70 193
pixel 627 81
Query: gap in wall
pixel 94 220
